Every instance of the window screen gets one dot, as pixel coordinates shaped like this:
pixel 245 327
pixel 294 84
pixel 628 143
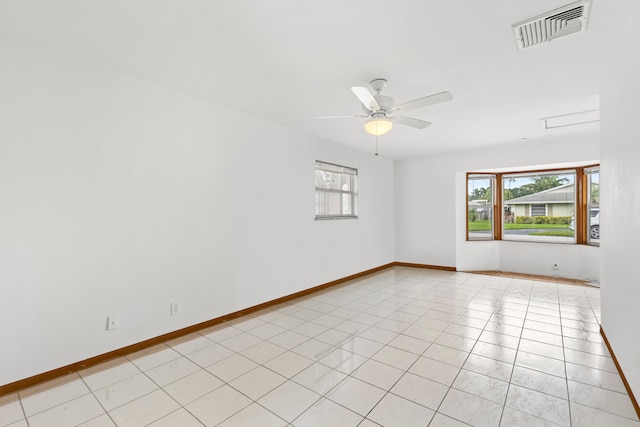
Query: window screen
pixel 336 191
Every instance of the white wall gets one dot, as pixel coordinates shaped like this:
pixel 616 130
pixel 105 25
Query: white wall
pixel 430 210
pixel 620 199
pixel 119 197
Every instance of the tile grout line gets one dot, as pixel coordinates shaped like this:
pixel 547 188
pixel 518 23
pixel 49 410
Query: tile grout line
pixel 566 374
pixel 460 370
pixel 315 361
pixel 387 392
pixel 144 372
pixel 49 388
pixel 97 400
pixel 24 412
pixel 404 294
pixel 407 370
pixel 516 355
pixel 236 353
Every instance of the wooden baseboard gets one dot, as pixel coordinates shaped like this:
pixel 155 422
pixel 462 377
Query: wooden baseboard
pixel 634 402
pixel 124 351
pixel 431 267
pixel 540 278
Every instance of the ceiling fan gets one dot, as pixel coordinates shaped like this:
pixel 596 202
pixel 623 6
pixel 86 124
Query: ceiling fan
pixel 380 109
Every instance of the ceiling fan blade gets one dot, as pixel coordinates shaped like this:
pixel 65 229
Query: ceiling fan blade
pixel 423 102
pixel 359 128
pixel 409 121
pixel 366 98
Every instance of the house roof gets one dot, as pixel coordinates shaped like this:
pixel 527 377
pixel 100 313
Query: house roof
pixel 288 62
pixel 561 194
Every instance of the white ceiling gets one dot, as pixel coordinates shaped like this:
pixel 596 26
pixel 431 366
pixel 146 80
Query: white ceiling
pixel 288 61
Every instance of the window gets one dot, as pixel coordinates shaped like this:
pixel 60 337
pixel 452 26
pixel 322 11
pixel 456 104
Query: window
pixel 480 203
pixel 593 205
pixel 336 191
pixel 538 210
pixel 541 204
pixel 559 206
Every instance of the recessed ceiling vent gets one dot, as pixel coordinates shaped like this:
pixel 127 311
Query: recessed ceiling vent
pixel 566 20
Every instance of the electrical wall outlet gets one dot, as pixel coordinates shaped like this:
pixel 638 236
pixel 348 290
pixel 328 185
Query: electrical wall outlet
pixel 112 323
pixel 175 308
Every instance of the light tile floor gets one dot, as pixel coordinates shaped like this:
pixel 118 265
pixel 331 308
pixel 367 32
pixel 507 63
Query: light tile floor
pixel 402 347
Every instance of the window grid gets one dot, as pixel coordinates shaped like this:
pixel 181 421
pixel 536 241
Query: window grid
pixel 336 191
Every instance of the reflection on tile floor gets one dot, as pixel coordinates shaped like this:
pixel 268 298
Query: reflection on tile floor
pixel 400 347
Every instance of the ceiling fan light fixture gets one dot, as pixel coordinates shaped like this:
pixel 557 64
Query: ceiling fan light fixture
pixel 378 126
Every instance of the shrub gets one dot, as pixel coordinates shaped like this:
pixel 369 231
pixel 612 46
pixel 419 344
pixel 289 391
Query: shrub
pixel 543 220
pixel 524 220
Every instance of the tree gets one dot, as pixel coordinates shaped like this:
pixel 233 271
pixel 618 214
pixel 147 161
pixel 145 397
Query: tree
pixel 540 183
pixel 488 196
pixel 595 193
pixel 478 194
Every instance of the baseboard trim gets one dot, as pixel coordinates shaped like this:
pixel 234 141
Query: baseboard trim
pixel 634 402
pixel 431 267
pixel 540 278
pixel 101 358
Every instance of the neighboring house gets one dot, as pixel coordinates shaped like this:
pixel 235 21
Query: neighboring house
pixel 557 201
pixel 482 208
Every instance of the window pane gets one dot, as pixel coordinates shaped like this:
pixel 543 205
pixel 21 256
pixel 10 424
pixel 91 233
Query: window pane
pixel 330 180
pixel 336 191
pixel 593 206
pixel 480 207
pixel 539 207
pixel 538 210
pixel 346 204
pixel 329 203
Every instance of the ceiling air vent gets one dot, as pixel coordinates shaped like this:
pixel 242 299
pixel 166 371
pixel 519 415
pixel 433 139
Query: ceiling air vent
pixel 552 25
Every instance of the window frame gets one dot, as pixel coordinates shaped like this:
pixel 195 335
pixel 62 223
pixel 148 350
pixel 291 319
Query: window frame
pixel 492 184
pixel 581 206
pixel 589 205
pixel 538 174
pixel 342 170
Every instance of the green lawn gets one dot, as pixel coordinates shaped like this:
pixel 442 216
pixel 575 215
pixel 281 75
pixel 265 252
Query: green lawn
pixel 485 225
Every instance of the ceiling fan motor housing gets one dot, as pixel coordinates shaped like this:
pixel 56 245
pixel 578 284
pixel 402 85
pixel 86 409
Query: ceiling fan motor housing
pixel 378 84
pixel 385 102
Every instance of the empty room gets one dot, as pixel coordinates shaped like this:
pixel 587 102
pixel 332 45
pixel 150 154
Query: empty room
pixel 350 213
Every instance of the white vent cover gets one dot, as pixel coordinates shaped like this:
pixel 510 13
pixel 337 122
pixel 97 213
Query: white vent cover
pixel 549 26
